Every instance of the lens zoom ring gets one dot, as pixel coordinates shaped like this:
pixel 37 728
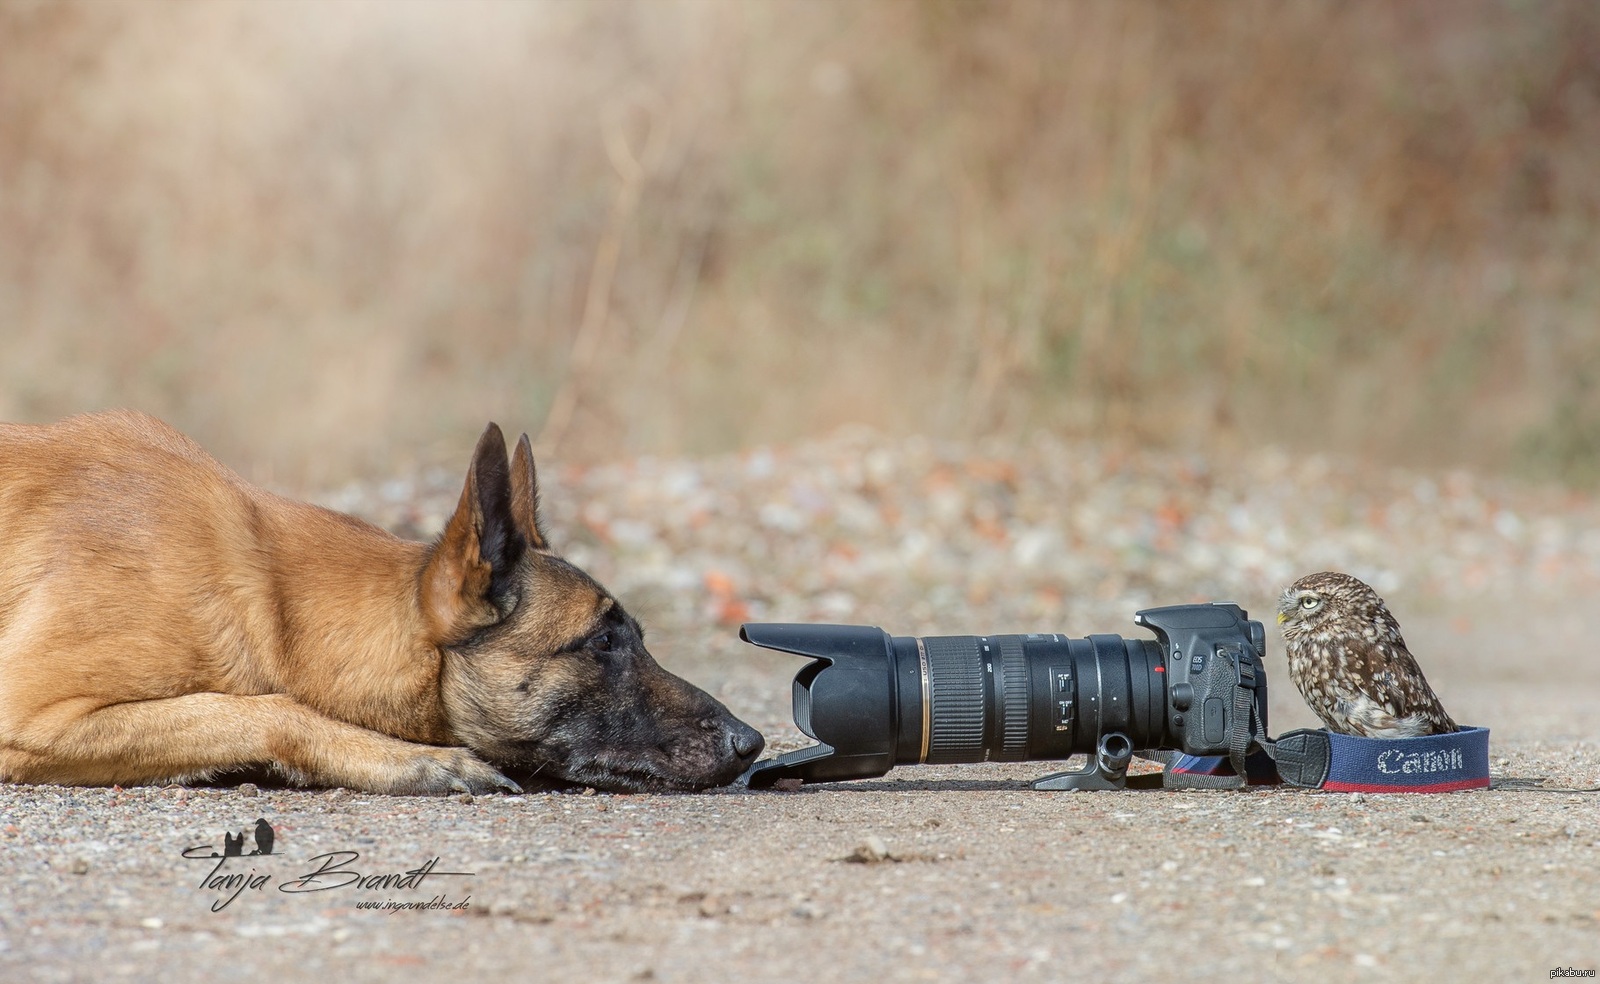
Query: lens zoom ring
pixel 1014 678
pixel 956 670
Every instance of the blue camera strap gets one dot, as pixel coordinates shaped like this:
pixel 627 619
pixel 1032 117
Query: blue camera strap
pixel 1444 763
pixel 1321 759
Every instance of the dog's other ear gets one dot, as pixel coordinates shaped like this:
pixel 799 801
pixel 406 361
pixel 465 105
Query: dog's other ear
pixel 468 575
pixel 525 496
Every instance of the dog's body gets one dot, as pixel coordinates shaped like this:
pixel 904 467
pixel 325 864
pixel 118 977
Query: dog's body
pixel 161 619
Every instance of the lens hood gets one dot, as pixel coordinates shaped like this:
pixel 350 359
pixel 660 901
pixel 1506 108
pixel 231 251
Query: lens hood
pixel 845 699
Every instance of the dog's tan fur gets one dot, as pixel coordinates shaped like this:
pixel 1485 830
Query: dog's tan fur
pixel 162 619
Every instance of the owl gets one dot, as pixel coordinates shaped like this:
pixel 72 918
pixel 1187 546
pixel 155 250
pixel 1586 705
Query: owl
pixel 1348 661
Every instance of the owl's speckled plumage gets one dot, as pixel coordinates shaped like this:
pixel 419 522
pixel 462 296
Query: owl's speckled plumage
pixel 1350 663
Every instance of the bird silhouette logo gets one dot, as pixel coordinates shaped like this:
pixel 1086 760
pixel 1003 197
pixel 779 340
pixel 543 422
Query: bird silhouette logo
pixel 233 843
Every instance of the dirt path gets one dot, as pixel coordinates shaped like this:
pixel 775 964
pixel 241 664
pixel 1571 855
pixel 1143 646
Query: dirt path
pixel 984 879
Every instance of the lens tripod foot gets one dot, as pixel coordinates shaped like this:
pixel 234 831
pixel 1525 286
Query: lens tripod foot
pixel 1106 769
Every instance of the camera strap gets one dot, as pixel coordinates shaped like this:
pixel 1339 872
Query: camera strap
pixel 1321 759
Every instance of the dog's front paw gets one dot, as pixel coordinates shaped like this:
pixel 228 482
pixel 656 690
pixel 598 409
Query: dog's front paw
pixel 442 771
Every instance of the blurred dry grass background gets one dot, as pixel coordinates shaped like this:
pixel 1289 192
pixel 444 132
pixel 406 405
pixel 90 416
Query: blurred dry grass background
pixel 331 239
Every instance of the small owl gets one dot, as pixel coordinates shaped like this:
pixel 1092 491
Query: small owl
pixel 1347 659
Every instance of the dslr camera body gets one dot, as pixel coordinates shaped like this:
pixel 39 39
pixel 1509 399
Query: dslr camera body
pixel 873 701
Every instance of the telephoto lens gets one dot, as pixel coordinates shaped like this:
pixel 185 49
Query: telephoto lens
pixel 873 701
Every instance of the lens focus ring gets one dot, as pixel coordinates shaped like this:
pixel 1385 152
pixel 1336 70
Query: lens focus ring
pixel 1014 705
pixel 956 671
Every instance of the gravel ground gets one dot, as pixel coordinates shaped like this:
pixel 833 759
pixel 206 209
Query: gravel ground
pixel 932 873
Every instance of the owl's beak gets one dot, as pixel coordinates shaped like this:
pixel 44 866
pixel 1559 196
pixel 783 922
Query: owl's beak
pixel 1282 618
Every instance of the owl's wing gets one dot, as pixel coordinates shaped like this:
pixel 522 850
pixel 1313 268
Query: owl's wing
pixel 1386 695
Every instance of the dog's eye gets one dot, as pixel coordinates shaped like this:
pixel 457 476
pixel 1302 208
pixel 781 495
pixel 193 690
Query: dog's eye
pixel 602 642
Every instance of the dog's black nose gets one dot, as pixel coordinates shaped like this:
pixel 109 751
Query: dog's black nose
pixel 745 741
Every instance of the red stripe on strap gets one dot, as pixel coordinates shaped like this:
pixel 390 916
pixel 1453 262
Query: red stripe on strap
pixel 1333 786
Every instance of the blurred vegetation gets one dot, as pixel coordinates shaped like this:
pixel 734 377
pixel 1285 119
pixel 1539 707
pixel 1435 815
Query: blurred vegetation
pixel 328 239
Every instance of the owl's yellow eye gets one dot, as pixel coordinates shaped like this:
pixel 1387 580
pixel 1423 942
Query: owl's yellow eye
pixel 1310 602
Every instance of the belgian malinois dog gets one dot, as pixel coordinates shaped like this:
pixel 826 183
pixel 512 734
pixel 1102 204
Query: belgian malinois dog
pixel 162 620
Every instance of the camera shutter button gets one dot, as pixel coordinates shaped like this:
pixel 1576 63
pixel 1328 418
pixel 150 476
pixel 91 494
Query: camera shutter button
pixel 1182 696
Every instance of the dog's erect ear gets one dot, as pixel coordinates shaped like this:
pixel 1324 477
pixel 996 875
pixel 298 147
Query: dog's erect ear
pixel 525 496
pixel 468 577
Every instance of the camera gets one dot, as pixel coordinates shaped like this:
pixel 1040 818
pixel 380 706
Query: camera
pixel 873 701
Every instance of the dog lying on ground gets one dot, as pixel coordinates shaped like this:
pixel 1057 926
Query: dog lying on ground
pixel 163 620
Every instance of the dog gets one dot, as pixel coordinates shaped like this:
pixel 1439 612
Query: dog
pixel 162 620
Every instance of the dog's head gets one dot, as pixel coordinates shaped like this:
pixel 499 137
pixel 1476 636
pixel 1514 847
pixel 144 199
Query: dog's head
pixel 543 671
